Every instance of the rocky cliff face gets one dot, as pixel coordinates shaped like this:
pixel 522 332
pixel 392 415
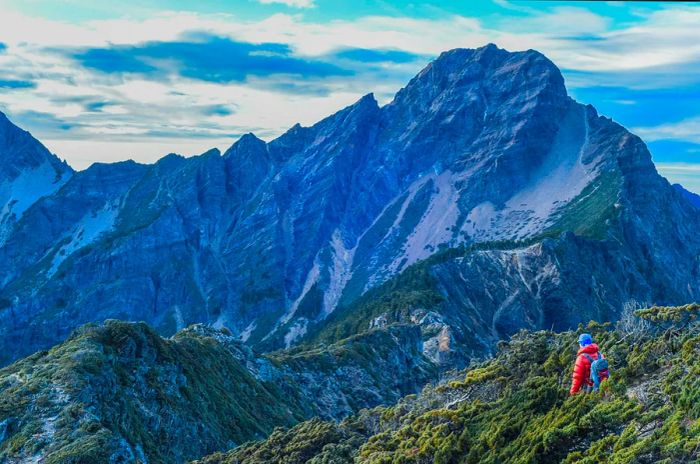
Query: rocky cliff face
pixel 269 239
pixel 28 171
pixel 465 300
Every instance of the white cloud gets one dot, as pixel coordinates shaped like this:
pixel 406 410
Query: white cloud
pixel 629 55
pixel 687 130
pixel 680 168
pixel 664 37
pixel 291 3
pixel 686 174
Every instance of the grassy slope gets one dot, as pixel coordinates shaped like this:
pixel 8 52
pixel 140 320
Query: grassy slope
pixel 516 409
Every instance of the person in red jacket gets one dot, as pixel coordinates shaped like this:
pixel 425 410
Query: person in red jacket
pixel 581 378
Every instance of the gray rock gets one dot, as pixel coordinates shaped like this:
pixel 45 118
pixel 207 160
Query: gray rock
pixel 270 238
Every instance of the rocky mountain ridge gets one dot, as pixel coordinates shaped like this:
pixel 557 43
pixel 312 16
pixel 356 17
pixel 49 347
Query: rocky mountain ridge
pixel 343 266
pixel 483 147
pixel 28 172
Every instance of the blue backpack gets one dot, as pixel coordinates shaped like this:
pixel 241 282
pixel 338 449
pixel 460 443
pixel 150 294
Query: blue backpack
pixel 599 370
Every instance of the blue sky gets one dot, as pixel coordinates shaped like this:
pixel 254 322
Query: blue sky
pixel 105 81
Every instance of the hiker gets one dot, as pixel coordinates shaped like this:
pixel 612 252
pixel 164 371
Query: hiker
pixel 591 367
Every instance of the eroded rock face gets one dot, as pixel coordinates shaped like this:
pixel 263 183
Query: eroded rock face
pixel 270 238
pixel 28 171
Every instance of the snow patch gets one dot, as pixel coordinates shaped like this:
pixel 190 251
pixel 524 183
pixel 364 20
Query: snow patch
pixel 179 320
pixel 480 219
pixel 86 231
pixel 436 225
pixel 220 322
pixel 561 179
pixel 562 176
pixel 18 195
pixel 245 335
pixel 412 191
pixel 311 279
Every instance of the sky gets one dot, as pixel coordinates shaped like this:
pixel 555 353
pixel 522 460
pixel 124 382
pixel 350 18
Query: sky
pixel 107 81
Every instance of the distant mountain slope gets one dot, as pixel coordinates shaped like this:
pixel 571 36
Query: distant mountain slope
pixel 694 198
pixel 28 171
pixel 269 239
pixel 121 393
pixel 467 299
pixel 515 408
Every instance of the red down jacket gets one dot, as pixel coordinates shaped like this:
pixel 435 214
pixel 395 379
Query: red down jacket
pixel 582 369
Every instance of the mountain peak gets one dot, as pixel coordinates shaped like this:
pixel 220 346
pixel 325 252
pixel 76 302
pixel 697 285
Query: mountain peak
pixel 247 163
pixel 487 53
pixel 20 152
pixel 473 54
pixel 250 137
pixel 482 146
pixel 211 152
pixel 248 144
pixel 367 99
pixel 487 68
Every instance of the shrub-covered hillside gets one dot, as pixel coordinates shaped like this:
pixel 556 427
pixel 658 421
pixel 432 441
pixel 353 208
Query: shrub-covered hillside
pixel 121 393
pixel 516 408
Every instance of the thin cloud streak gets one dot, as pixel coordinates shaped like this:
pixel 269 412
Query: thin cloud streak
pixel 290 3
pixel 686 174
pixel 686 130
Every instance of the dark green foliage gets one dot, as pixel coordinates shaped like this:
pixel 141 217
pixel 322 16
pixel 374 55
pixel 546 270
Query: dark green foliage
pixel 592 211
pixel 673 315
pixel 516 408
pixel 312 442
pixel 120 390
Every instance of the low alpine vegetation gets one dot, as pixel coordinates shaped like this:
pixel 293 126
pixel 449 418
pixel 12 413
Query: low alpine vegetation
pixel 120 393
pixel 516 408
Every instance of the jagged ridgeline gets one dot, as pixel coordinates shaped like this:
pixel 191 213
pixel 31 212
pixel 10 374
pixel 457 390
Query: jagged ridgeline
pixel 343 266
pixel 515 408
pixel 560 211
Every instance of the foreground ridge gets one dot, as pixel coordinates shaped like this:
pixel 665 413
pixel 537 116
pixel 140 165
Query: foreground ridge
pixel 119 392
pixel 515 408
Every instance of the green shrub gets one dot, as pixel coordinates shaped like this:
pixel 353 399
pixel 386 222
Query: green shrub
pixel 515 408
